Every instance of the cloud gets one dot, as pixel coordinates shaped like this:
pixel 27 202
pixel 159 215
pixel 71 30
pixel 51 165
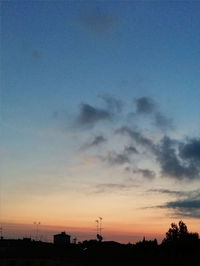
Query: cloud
pixel 96 141
pixel 178 160
pixel 145 105
pixel 187 203
pixel 114 158
pixel 169 192
pixel 191 150
pixel 113 104
pixel 97 20
pixel 136 136
pixel 184 204
pixel 36 54
pixel 184 208
pixel 112 187
pixel 146 173
pixel 130 150
pixel 162 121
pixel 90 115
pixel 172 164
pixel 101 188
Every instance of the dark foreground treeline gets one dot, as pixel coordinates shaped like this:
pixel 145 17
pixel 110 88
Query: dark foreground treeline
pixel 178 248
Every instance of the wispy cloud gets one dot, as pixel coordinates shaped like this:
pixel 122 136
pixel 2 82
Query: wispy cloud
pixel 146 173
pixel 114 158
pixel 169 192
pixel 119 158
pixel 112 103
pixel 113 187
pixel 148 107
pixel 98 20
pixel 136 136
pixel 96 141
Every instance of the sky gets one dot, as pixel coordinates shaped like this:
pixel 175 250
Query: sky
pixel 99 117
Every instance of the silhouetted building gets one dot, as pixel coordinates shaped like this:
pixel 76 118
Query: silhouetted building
pixel 61 239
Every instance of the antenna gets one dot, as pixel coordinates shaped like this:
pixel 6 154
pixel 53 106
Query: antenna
pixel 1 231
pixel 99 228
pixel 100 225
pixel 36 229
pixel 97 221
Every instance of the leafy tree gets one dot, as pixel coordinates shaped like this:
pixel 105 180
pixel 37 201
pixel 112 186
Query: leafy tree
pixel 179 233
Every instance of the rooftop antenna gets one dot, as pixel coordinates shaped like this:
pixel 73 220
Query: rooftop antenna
pixel 99 229
pixel 36 229
pixel 97 222
pixel 1 232
pixel 100 225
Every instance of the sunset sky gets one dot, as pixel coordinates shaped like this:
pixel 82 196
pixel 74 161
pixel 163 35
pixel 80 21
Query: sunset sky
pixel 100 116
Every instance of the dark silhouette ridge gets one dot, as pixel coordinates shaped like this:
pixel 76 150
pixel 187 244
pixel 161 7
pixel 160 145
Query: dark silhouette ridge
pixel 179 247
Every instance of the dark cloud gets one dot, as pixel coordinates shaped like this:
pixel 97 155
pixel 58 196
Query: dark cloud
pixel 136 136
pixel 146 173
pixel 184 208
pixel 171 163
pixel 113 104
pixel 90 115
pixel 145 105
pixel 187 203
pixel 191 150
pixel 95 142
pixel 178 160
pixel 98 140
pixel 184 204
pixel 97 20
pixel 169 192
pixel 162 121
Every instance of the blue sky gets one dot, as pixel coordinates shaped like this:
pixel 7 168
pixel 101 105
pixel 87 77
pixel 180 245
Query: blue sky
pixel 84 83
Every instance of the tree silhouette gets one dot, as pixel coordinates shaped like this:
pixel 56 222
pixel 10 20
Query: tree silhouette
pixel 179 233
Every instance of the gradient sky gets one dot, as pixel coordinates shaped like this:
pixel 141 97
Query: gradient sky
pixel 100 116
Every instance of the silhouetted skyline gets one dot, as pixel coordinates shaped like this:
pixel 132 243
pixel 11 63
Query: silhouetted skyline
pixel 100 117
pixel 179 247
